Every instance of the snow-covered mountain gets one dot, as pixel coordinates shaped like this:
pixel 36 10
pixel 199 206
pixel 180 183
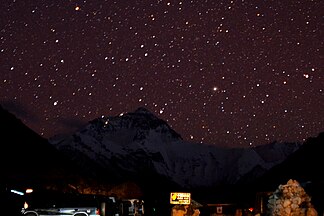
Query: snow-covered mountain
pixel 138 142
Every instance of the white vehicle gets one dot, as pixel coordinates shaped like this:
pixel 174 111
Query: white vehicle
pixel 84 211
pixel 63 204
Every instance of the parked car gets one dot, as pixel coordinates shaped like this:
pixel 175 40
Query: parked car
pixel 62 204
pixel 83 211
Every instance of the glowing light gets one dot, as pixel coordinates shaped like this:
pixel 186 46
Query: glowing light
pixel 29 190
pixel 17 192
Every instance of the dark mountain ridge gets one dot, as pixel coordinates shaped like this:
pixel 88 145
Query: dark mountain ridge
pixel 25 153
pixel 28 160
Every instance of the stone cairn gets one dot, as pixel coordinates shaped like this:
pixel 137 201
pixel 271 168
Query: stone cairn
pixel 290 200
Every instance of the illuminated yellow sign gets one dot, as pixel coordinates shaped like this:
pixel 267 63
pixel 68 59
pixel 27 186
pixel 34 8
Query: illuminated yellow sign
pixel 180 198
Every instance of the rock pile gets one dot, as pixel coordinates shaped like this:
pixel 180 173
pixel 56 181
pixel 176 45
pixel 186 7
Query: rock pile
pixel 290 200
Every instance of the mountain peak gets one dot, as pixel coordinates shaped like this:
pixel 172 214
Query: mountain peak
pixel 143 110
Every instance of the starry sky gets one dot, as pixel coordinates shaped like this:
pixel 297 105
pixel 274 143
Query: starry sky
pixel 229 73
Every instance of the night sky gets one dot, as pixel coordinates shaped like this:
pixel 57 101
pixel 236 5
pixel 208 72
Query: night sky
pixel 228 73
